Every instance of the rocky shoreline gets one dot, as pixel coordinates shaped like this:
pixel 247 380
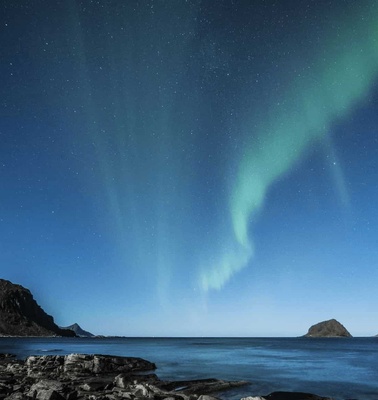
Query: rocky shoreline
pixel 103 377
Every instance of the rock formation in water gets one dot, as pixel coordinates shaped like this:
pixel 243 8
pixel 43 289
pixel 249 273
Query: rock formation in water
pixel 100 377
pixel 78 330
pixel 330 328
pixel 20 315
pixel 288 396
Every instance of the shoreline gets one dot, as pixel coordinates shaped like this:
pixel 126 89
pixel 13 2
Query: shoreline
pixel 107 377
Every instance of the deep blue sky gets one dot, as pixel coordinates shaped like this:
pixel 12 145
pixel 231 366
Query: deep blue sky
pixel 191 167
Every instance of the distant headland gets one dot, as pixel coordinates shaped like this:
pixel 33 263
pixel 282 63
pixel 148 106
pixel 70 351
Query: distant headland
pixel 20 314
pixel 78 330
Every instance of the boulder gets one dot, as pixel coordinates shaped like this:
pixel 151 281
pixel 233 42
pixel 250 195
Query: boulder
pixel 100 364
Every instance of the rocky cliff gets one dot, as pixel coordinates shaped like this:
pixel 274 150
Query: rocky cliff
pixel 330 328
pixel 78 330
pixel 20 314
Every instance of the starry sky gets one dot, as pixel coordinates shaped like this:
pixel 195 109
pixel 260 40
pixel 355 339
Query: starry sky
pixel 191 167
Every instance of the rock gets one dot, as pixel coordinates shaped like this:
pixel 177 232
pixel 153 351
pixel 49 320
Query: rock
pixel 99 364
pixel 15 369
pixel 287 396
pixel 43 366
pixel 20 314
pixel 200 386
pixel 78 330
pixel 16 396
pixel 95 385
pixel 5 390
pixel 206 397
pixel 46 389
pixel 72 395
pixel 45 384
pixel 293 396
pixel 7 356
pixel 253 398
pixel 123 381
pixel 48 395
pixel 140 391
pixel 331 328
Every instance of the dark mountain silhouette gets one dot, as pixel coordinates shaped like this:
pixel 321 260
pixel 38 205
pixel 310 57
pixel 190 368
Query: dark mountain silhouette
pixel 20 314
pixel 78 330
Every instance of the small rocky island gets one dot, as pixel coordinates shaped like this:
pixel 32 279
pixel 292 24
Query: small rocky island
pixel 101 377
pixel 330 328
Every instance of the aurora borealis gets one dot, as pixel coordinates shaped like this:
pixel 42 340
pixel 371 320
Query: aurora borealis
pixel 314 100
pixel 191 167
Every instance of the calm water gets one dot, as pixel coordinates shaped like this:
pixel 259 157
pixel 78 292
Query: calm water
pixel 341 368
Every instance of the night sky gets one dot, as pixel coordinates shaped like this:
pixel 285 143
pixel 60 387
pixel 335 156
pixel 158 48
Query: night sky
pixel 191 168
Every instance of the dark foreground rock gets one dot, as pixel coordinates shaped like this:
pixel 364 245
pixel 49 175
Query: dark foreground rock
pixel 330 328
pixel 100 377
pixel 92 377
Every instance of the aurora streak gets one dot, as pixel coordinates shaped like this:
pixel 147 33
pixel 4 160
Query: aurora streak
pixel 338 80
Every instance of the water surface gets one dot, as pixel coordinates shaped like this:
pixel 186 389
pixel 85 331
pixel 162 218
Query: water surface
pixel 340 368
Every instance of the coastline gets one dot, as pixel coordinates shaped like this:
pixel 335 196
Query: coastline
pixel 108 377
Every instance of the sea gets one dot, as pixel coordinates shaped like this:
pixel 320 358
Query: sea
pixel 341 368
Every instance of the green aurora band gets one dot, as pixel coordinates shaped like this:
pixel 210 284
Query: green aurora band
pixel 339 79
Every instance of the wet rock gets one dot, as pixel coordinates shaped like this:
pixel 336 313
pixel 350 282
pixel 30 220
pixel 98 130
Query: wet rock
pixel 94 386
pixel 99 364
pixel 140 391
pixel 6 358
pixel 206 397
pixel 201 386
pixel 253 398
pixel 124 380
pixel 294 396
